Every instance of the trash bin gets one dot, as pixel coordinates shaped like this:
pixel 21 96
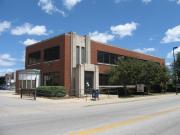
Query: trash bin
pixel 95 94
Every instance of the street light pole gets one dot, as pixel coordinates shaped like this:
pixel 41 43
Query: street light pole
pixel 175 75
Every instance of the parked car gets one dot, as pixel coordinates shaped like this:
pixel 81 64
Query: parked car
pixel 4 87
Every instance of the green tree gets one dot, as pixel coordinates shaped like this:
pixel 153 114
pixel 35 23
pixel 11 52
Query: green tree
pixel 2 80
pixel 132 71
pixel 177 66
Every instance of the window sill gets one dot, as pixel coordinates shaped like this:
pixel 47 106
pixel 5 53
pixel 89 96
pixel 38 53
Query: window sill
pixel 51 61
pixel 106 64
pixel 34 64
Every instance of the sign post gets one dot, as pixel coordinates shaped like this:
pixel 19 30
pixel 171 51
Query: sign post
pixel 140 88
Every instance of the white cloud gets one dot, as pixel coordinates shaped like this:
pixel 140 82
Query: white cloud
pixel 28 42
pixel 29 29
pixel 146 1
pixel 69 4
pixel 49 7
pixel 46 5
pixel 124 30
pixel 177 1
pixel 145 50
pixel 170 54
pixel 172 35
pixel 3 71
pixel 4 25
pixel 119 31
pixel 6 60
pixel 101 37
pixel 168 64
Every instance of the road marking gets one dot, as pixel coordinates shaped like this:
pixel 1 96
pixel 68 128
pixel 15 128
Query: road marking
pixel 124 123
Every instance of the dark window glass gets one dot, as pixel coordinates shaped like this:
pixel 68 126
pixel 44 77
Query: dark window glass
pixel 51 79
pixel 77 54
pixel 83 55
pixel 34 58
pixel 108 58
pixel 100 57
pixel 52 53
pixel 113 58
pixel 89 75
pixel 103 79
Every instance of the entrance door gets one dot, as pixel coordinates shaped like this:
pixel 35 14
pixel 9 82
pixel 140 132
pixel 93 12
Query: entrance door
pixel 89 79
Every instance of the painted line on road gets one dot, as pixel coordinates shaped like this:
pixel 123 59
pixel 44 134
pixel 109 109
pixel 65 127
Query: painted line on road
pixel 124 123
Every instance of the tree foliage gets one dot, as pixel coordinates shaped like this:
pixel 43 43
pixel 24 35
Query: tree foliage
pixel 132 71
pixel 177 65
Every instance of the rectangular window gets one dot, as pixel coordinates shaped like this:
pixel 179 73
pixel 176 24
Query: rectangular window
pixel 23 84
pixel 28 84
pixel 83 55
pixel 52 53
pixel 121 58
pixel 100 57
pixel 103 79
pixel 33 84
pixel 107 58
pixel 34 57
pixel 77 55
pixel 51 79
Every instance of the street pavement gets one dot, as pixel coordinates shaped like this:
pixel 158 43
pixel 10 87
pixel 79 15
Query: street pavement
pixel 156 115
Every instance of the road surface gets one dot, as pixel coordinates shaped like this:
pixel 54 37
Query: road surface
pixel 157 116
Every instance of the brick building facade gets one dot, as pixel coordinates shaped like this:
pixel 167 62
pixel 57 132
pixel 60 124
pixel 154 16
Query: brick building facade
pixel 76 62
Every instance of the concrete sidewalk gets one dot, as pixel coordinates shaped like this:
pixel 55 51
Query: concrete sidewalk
pixel 114 100
pixel 103 100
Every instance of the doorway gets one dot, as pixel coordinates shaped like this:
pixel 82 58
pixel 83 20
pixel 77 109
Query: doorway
pixel 89 79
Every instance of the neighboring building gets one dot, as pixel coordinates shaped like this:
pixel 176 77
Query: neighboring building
pixel 75 61
pixel 2 81
pixel 7 81
pixel 10 79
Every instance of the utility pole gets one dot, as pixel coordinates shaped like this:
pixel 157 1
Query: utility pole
pixel 175 75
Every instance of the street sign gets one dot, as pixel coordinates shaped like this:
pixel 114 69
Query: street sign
pixel 140 87
pixel 178 86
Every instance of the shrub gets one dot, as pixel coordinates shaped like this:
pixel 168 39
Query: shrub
pixel 171 87
pixel 51 91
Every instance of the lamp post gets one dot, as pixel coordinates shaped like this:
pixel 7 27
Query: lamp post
pixel 175 75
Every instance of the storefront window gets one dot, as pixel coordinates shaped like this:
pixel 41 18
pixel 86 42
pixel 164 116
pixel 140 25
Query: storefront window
pixel 51 78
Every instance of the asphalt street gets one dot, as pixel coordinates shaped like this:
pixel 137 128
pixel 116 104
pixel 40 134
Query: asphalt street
pixel 158 116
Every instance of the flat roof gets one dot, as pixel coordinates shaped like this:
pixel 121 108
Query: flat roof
pixel 29 71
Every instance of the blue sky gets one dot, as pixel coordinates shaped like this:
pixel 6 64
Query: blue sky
pixel 146 26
